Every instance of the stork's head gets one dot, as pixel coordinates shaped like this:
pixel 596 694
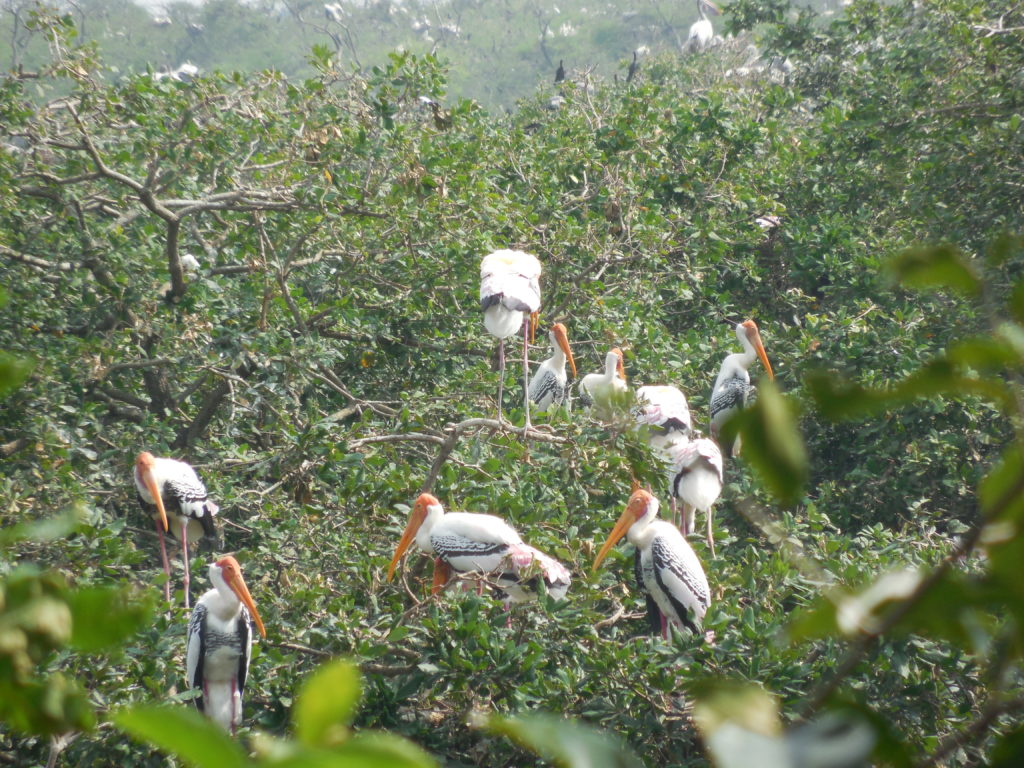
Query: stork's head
pixel 228 569
pixel 560 337
pixel 425 503
pixel 145 463
pixel 748 330
pixel 620 364
pixel 641 505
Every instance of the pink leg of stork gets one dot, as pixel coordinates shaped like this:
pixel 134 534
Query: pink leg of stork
pixel 184 554
pixel 666 631
pixel 526 372
pixel 501 374
pixel 163 555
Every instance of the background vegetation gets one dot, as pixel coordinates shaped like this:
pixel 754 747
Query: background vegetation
pixel 321 365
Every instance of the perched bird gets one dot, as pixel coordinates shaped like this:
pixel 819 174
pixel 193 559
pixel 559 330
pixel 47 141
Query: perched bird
pixel 560 72
pixel 598 390
pixel 695 478
pixel 634 67
pixel 666 567
pixel 510 300
pixel 732 387
pixel 549 384
pixel 168 488
pixel 465 542
pixel 219 644
pixel 665 412
pixel 701 31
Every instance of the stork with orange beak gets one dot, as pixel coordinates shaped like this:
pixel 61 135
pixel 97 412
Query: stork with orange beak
pixel 220 644
pixel 550 385
pixel 172 492
pixel 598 390
pixel 510 300
pixel 666 568
pixel 466 542
pixel 732 387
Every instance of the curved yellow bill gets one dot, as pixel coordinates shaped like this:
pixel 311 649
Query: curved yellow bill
pixel 624 523
pixel 562 337
pixel 415 521
pixel 233 578
pixel 759 348
pixel 621 367
pixel 144 463
pixel 534 320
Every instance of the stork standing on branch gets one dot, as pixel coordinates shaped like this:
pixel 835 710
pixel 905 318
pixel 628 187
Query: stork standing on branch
pixel 695 478
pixel 550 385
pixel 732 387
pixel 701 31
pixel 220 644
pixel 599 390
pixel 173 494
pixel 510 300
pixel 464 542
pixel 666 568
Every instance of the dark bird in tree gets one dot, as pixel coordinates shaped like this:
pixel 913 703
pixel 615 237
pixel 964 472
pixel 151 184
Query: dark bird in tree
pixel 634 67
pixel 560 72
pixel 168 488
pixel 220 644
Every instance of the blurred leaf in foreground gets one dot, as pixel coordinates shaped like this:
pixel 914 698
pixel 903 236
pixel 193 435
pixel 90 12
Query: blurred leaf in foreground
pixel 564 742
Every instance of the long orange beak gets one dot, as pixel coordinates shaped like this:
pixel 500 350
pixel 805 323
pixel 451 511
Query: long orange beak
pixel 621 367
pixel 233 578
pixel 534 320
pixel 144 463
pixel 415 521
pixel 755 338
pixel 563 341
pixel 625 522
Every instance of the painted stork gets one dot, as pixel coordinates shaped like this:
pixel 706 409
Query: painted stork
pixel 550 385
pixel 465 542
pixel 666 567
pixel 732 387
pixel 171 488
pixel 510 300
pixel 220 644
pixel 599 389
pixel 701 31
pixel 695 478
pixel 665 412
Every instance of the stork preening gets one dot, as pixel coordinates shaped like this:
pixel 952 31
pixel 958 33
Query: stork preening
pixel 599 390
pixel 732 387
pixel 550 384
pixel 695 479
pixel 665 412
pixel 465 542
pixel 220 644
pixel 701 31
pixel 666 568
pixel 510 300
pixel 171 491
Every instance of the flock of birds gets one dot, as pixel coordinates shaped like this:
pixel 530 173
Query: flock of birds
pixel 483 550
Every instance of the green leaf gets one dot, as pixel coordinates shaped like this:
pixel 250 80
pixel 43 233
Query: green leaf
pixel 327 703
pixel 183 732
pixel 772 442
pixel 740 724
pixel 938 266
pixel 564 742
pixel 47 529
pixel 121 615
pixel 13 372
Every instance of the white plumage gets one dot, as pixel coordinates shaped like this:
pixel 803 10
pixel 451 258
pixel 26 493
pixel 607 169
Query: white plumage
pixel 509 297
pixel 732 386
pixel 599 390
pixel 666 567
pixel 695 478
pixel 466 542
pixel 664 410
pixel 701 31
pixel 220 644
pixel 550 384
pixel 172 492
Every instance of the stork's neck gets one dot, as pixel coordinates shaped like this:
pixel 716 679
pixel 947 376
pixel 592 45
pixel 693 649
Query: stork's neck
pixel 224 603
pixel 557 355
pixel 434 514
pixel 641 532
pixel 700 10
pixel 611 366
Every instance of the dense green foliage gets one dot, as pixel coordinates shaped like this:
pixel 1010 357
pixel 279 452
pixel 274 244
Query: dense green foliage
pixel 320 368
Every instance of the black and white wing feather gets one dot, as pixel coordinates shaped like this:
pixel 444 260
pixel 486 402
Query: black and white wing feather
pixel 245 639
pixel 546 390
pixel 195 653
pixel 680 578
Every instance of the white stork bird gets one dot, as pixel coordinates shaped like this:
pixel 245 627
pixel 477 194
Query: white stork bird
pixel 695 478
pixel 666 567
pixel 598 390
pixel 465 542
pixel 732 387
pixel 220 644
pixel 550 385
pixel 510 300
pixel 701 31
pixel 665 412
pixel 171 488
